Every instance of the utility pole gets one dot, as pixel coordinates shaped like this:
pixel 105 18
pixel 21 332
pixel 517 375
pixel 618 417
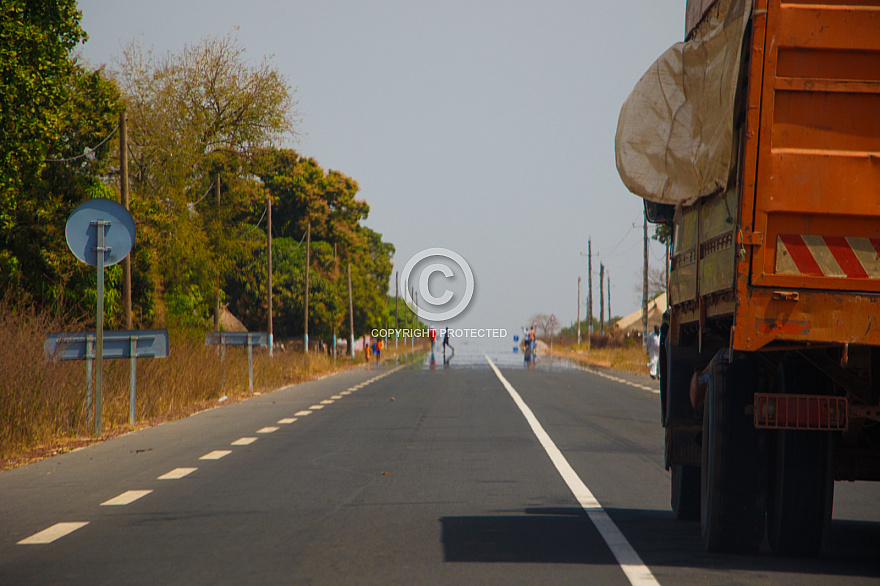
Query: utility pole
pixel 269 275
pixel 306 322
pixel 589 287
pixel 645 286
pixel 123 197
pixel 579 310
pixel 601 299
pixel 396 296
pixel 217 292
pixel 645 283
pixel 350 313
pixel 608 285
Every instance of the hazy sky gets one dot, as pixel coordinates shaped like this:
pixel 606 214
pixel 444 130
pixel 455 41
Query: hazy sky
pixel 483 127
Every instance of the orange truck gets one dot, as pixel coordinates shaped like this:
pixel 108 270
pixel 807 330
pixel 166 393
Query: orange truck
pixel 756 141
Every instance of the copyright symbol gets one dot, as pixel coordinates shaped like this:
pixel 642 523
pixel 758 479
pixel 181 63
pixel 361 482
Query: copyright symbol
pixel 431 307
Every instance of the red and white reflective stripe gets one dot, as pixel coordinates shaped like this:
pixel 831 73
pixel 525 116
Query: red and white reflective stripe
pixel 828 256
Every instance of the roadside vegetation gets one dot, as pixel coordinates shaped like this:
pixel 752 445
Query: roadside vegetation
pixel 604 351
pixel 209 135
pixel 596 349
pixel 43 403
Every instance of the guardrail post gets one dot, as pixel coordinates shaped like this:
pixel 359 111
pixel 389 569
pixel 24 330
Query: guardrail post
pixel 133 378
pixel 250 345
pixel 222 363
pixel 90 351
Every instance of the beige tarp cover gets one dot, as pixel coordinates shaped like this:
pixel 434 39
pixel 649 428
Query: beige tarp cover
pixel 674 140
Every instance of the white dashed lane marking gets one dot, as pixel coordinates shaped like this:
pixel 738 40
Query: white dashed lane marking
pixel 126 498
pixel 54 532
pixel 177 473
pixel 59 530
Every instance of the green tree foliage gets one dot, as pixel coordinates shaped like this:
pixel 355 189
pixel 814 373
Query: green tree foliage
pixel 36 72
pixel 196 118
pixel 304 194
pixel 59 117
pixel 202 125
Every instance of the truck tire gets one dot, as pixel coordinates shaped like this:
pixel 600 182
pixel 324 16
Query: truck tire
pixel 734 469
pixel 802 488
pixel 685 497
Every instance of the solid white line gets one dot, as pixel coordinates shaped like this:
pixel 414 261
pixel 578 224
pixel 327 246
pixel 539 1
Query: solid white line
pixel 630 562
pixel 216 455
pixel 54 532
pixel 126 498
pixel 267 430
pixel 287 420
pixel 177 473
pixel 619 380
pixel 244 441
pixel 302 413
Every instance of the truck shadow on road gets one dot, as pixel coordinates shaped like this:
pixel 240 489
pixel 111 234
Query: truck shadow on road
pixel 550 536
pixel 852 548
pixel 565 535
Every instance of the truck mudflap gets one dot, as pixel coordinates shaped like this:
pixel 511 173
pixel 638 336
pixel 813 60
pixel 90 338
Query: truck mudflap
pixel 808 412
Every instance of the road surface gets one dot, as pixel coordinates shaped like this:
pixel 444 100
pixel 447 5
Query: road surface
pixel 452 473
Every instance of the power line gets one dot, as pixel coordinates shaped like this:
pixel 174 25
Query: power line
pixel 86 152
pixel 622 240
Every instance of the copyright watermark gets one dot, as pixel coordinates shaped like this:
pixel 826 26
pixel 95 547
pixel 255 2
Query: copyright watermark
pixel 451 266
pixel 453 333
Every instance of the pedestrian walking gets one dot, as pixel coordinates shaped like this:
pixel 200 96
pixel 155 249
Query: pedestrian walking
pixel 653 347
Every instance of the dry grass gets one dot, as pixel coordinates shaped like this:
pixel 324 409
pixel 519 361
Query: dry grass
pixel 630 358
pixel 39 400
pixel 43 403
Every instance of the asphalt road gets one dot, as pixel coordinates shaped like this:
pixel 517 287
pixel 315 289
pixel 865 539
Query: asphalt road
pixel 426 474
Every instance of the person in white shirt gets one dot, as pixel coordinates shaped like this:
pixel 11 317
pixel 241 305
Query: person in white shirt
pixel 653 347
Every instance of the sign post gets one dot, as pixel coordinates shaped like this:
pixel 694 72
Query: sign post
pixel 249 339
pixel 100 233
pixel 100 228
pixel 115 345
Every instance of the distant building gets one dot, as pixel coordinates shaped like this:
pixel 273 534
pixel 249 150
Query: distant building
pixel 631 325
pixel 230 323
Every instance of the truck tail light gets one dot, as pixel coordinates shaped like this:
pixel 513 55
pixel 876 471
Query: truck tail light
pixel 774 411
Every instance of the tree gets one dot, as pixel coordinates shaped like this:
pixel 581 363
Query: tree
pixel 75 156
pixel 196 119
pixel 539 320
pixel 304 194
pixel 36 71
